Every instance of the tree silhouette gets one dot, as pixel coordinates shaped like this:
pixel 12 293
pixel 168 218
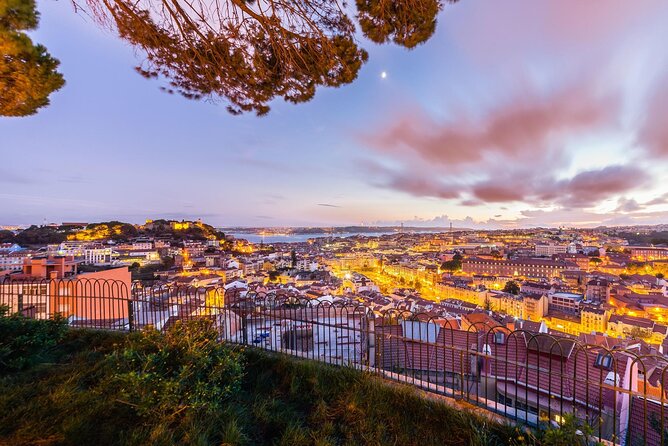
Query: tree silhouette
pixel 252 51
pixel 28 73
pixel 453 265
pixel 512 287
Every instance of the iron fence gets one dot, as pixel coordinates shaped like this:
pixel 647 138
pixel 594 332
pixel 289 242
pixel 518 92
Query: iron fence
pixel 524 376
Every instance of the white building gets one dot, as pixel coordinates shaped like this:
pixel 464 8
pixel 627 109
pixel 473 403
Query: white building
pixel 547 250
pixel 12 261
pixel 99 256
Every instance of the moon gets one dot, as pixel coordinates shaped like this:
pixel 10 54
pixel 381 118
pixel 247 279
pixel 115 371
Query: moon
pixel 383 75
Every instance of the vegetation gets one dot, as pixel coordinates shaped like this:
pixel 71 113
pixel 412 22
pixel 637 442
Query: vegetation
pixel 512 287
pixel 639 333
pixel 40 235
pixel 453 265
pixel 197 231
pixel 163 375
pixel 115 230
pixel 654 269
pixel 146 272
pixel 650 238
pixel 247 52
pixel 28 73
pixel 487 305
pixel 252 52
pixel 184 387
pixel 23 342
pixel 109 230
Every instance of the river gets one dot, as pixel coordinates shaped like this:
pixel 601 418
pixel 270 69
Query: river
pixel 296 238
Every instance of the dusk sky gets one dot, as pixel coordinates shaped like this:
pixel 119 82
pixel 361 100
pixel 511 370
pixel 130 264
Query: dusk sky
pixel 517 113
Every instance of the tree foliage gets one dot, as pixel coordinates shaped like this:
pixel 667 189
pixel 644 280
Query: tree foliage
pixel 41 235
pixel 185 368
pixel 6 236
pixel 24 341
pixel 252 51
pixel 28 73
pixel 512 287
pixel 453 265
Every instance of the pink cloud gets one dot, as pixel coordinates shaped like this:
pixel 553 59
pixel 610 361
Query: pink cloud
pixel 577 19
pixel 528 127
pixel 513 153
pixel 654 132
pixel 592 186
pixel 510 30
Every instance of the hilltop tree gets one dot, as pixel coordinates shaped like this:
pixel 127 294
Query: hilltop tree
pixel 487 304
pixel 36 235
pixel 6 236
pixel 512 287
pixel 595 260
pixel 28 73
pixel 453 265
pixel 252 51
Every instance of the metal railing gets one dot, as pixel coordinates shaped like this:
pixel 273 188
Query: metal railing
pixel 524 376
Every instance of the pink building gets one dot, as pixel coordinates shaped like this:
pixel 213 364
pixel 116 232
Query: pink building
pixel 101 297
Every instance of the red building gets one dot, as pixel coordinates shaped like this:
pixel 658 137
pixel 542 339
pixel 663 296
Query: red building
pixel 517 268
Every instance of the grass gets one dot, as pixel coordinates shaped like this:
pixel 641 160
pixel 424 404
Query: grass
pixel 302 403
pixel 74 397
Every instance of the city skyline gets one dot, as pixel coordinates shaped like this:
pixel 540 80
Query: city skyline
pixel 517 116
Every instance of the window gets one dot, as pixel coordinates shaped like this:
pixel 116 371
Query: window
pixel 604 361
pixel 499 337
pixel 505 400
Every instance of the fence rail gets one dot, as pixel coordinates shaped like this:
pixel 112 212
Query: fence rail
pixel 524 376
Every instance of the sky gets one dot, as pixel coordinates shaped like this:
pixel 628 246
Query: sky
pixel 514 114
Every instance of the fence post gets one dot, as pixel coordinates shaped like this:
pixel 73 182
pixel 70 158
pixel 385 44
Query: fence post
pixel 19 303
pixel 244 328
pixel 371 336
pixel 131 318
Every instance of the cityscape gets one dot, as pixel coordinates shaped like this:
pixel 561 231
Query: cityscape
pixel 314 222
pixel 601 287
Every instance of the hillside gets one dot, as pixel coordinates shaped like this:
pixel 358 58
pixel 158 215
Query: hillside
pixel 82 387
pixel 111 230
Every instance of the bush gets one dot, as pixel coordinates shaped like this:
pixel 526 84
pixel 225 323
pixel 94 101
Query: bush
pixel 25 342
pixel 571 432
pixel 186 368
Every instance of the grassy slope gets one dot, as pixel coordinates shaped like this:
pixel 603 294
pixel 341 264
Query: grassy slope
pixel 283 401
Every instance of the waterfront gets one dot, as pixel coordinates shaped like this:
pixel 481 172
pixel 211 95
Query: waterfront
pixel 298 238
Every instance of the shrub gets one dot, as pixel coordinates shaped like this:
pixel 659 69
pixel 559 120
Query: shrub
pixel 184 369
pixel 25 342
pixel 571 432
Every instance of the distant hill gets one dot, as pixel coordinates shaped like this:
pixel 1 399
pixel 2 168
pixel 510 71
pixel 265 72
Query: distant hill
pixel 112 230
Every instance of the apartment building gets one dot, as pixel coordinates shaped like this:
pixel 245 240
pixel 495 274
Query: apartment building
pixel 517 268
pixel 548 250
